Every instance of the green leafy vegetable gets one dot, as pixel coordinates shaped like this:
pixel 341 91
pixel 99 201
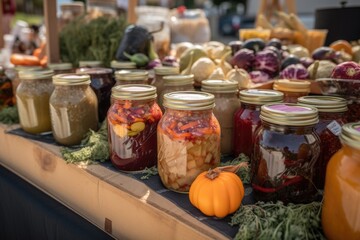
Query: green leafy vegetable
pixel 9 115
pixel 148 172
pixel 244 172
pixel 94 147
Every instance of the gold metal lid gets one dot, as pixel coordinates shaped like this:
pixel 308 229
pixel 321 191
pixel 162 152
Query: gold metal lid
pixel 95 70
pixel 27 68
pixel 127 75
pixel 260 96
pixel 178 80
pixel 71 79
pixel 122 65
pixel 287 85
pixel 325 103
pixel 189 100
pixel 60 66
pixel 90 64
pixel 350 135
pixel 35 74
pixel 133 92
pixel 289 114
pixel 166 70
pixel 219 86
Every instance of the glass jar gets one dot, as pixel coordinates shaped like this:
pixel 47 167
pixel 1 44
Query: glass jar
pixel 101 82
pixel 188 139
pixel 61 68
pixel 354 109
pixel 226 103
pixel 69 12
pixel 117 66
pixel 341 211
pixel 292 89
pixel 286 149
pixel 123 77
pixel 332 112
pixel 247 117
pixel 32 97
pixel 174 83
pixel 6 93
pixel 101 8
pixel 89 64
pixel 73 108
pixel 132 121
pixel 160 73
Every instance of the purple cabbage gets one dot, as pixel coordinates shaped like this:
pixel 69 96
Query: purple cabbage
pixel 306 61
pixel 259 76
pixel 267 61
pixel 170 61
pixel 153 64
pixel 346 70
pixel 243 58
pixel 294 71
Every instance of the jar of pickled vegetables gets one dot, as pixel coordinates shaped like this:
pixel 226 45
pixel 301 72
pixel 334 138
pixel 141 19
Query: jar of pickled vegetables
pixel 117 66
pixel 101 82
pixel 73 108
pixel 174 83
pixel 247 117
pixel 188 138
pixel 226 103
pixel 286 149
pixel 61 68
pixel 332 111
pixel 341 210
pixel 123 77
pixel 132 121
pixel 292 89
pixel 32 97
pixel 160 73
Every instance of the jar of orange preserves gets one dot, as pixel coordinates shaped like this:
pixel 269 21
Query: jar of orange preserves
pixel 341 210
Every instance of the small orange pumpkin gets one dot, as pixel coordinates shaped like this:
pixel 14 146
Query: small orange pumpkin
pixel 217 192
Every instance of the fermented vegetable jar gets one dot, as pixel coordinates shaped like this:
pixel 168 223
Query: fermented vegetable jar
pixel 61 68
pixel 175 83
pixel 32 97
pixel 101 82
pixel 117 66
pixel 247 117
pixel 286 149
pixel 292 89
pixel 226 103
pixel 132 121
pixel 332 112
pixel 123 77
pixel 341 210
pixel 160 73
pixel 188 138
pixel 73 108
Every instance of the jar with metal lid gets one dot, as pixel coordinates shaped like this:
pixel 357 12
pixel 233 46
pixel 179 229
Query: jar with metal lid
pixel 292 89
pixel 117 66
pixel 332 111
pixel 90 64
pixel 226 104
pixel 61 68
pixel 341 209
pixel 286 149
pixel 101 82
pixel 174 83
pixel 160 73
pixel 188 138
pixel 73 108
pixel 123 77
pixel 69 12
pixel 32 97
pixel 247 117
pixel 132 121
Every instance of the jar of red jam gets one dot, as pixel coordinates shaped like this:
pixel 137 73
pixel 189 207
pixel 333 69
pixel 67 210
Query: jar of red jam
pixel 188 138
pixel 341 209
pixel 247 117
pixel 132 122
pixel 292 89
pixel 286 149
pixel 158 81
pixel 226 103
pixel 123 77
pixel 354 109
pixel 332 116
pixel 101 82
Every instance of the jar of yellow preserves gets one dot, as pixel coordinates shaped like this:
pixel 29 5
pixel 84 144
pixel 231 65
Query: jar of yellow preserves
pixel 341 210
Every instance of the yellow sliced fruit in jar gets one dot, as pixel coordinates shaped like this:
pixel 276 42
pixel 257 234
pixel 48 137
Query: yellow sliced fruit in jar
pixel 137 126
pixel 120 130
pixel 132 133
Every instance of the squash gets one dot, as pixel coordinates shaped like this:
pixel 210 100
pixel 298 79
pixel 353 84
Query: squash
pixel 217 192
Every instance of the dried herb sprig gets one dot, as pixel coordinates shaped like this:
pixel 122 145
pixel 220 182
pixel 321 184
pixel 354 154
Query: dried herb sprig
pixel 9 115
pixel 243 172
pixel 148 172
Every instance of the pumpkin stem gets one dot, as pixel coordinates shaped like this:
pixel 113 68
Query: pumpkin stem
pixel 214 173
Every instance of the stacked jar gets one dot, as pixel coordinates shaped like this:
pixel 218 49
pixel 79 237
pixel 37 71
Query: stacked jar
pixel 341 209
pixel 292 89
pixel 247 117
pixel 73 108
pixel 118 66
pixel 332 116
pixel 226 103
pixel 132 121
pixel 188 138
pixel 61 68
pixel 158 82
pixel 32 97
pixel 124 77
pixel 286 149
